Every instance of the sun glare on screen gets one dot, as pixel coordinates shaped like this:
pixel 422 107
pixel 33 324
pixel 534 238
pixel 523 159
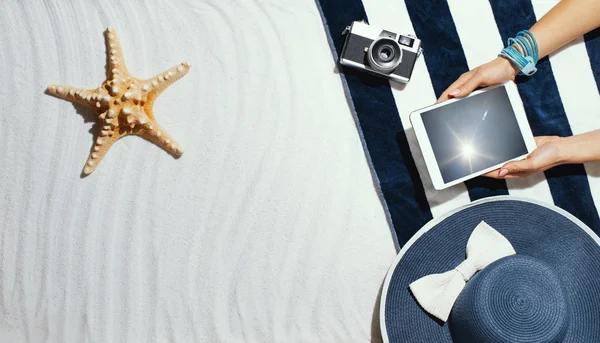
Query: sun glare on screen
pixel 467 151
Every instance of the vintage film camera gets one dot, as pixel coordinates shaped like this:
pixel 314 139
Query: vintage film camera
pixel 380 52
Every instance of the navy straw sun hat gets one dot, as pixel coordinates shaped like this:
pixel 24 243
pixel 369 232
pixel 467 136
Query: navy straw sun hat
pixel 549 291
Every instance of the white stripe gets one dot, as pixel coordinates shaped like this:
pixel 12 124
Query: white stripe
pixel 578 92
pixel 418 93
pixel 481 43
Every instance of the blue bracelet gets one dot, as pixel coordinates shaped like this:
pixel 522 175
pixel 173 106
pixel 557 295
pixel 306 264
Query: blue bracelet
pixel 522 51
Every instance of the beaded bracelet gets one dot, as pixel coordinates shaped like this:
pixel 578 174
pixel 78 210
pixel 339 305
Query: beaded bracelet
pixel 522 51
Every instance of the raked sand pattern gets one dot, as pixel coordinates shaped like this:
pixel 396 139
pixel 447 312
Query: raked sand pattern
pixel 267 229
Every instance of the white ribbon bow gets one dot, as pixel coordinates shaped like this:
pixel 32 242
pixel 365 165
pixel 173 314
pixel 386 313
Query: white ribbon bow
pixel 436 293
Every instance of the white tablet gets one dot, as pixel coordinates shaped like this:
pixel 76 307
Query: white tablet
pixel 464 138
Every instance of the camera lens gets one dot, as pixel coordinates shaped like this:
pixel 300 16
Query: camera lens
pixel 384 55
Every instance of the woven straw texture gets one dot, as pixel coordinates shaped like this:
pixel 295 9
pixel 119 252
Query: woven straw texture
pixel 563 256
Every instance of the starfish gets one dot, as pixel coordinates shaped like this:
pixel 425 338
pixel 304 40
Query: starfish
pixel 123 104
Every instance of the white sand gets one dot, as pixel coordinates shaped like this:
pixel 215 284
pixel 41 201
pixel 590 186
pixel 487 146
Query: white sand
pixel 267 229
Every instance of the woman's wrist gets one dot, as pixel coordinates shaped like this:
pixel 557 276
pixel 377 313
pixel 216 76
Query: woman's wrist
pixel 511 69
pixel 566 150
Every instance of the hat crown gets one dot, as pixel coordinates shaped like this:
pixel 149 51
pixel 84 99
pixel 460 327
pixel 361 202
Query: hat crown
pixel 515 299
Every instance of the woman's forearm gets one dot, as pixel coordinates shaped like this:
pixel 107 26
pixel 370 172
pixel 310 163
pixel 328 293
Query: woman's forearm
pixel 581 148
pixel 566 21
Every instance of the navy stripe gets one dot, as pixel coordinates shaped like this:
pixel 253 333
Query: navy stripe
pixel 592 44
pixel 446 61
pixel 568 183
pixel 382 131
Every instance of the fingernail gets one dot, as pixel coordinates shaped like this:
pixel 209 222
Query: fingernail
pixel 454 92
pixel 503 172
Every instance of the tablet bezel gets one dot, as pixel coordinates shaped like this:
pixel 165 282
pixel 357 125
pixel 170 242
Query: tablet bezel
pixel 427 150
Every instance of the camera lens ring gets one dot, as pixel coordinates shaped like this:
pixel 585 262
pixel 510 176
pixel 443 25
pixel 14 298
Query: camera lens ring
pixel 384 55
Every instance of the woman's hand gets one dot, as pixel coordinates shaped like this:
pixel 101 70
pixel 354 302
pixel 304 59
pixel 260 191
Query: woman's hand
pixel 492 73
pixel 550 152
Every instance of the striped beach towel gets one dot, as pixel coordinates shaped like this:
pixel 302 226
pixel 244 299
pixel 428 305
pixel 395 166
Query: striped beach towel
pixel 562 99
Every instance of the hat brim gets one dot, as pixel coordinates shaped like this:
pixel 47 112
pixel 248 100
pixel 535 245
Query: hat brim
pixel 543 231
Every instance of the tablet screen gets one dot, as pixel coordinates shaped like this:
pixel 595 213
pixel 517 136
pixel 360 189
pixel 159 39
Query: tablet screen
pixel 470 135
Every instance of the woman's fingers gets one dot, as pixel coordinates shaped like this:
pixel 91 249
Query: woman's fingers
pixel 462 79
pixel 492 73
pixel 495 174
pixel 515 167
pixel 468 86
pixel 519 175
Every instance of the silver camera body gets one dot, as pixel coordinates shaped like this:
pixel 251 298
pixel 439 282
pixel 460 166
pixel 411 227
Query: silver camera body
pixel 380 52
